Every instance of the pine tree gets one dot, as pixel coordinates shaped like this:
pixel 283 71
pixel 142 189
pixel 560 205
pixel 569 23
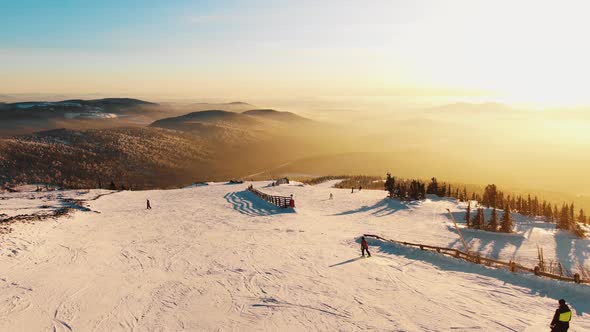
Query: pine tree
pixel 506 223
pixel 468 215
pixel 582 217
pixel 432 188
pixel 390 185
pixel 415 190
pixel 494 221
pixel 544 211
pixel 564 222
pixel 549 213
pixel 479 220
pixel 490 194
pixel 112 186
pixel 529 205
pixel 482 219
pixel 442 190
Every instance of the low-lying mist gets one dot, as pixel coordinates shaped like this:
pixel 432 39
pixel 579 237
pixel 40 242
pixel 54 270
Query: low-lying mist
pixel 465 142
pixel 516 148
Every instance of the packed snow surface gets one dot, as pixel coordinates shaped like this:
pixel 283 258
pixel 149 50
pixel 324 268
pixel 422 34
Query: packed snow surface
pixel 217 258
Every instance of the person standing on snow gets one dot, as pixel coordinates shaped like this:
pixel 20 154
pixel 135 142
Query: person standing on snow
pixel 149 207
pixel 364 246
pixel 562 317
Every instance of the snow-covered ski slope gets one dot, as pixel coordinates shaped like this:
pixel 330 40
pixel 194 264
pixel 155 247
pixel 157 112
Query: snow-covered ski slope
pixel 217 258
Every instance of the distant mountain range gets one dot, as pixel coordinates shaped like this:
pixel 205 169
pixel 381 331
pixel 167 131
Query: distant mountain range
pixel 72 109
pixel 32 116
pixel 200 145
pixel 257 117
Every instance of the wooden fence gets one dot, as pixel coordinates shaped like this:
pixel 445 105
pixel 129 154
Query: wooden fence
pixel 478 259
pixel 280 201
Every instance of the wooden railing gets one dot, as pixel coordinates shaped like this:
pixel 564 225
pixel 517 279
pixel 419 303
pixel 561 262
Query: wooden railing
pixel 478 259
pixel 280 201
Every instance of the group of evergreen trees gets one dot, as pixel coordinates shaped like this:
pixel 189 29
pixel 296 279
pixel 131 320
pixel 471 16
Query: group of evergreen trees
pixel 405 189
pixel 414 189
pixel 564 218
pixel 491 197
pixel 479 222
pixel 113 186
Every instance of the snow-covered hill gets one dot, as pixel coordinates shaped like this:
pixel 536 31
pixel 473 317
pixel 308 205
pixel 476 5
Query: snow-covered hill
pixel 216 258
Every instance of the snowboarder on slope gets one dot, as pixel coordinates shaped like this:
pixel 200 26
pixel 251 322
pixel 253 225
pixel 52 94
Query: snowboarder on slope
pixel 149 207
pixel 562 317
pixel 364 246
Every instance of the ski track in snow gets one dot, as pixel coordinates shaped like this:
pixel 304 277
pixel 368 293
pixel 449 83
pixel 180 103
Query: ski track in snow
pixel 217 258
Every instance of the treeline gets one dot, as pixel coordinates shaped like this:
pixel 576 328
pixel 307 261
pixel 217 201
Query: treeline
pixel 404 189
pixel 415 189
pixel 565 217
pixel 322 179
pixel 360 181
pixel 142 157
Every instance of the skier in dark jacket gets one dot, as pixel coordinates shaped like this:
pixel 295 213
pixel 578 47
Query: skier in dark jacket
pixel 149 207
pixel 562 317
pixel 364 246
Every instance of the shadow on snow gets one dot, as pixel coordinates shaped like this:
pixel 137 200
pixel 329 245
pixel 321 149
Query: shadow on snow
pixel 571 250
pixel 491 242
pixel 384 207
pixel 575 294
pixel 249 204
pixel 352 260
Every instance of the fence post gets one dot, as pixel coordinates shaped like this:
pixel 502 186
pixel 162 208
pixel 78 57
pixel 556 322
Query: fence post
pixel 512 266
